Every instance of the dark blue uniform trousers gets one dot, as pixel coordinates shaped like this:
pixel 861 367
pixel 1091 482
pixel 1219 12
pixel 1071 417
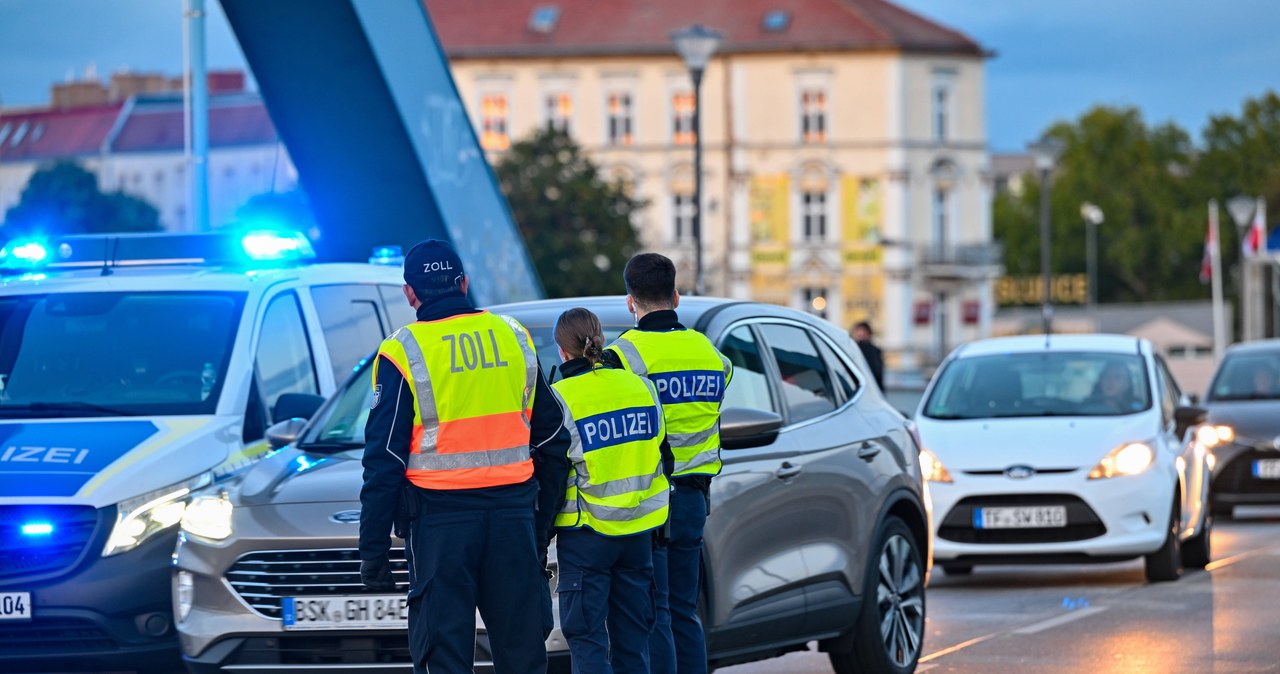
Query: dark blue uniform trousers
pixel 677 643
pixel 606 600
pixel 485 559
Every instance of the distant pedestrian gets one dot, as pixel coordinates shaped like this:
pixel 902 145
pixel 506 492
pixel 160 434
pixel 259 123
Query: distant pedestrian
pixel 875 359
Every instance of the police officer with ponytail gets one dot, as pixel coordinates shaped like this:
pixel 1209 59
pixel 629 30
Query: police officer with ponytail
pixel 464 430
pixel 690 375
pixel 617 494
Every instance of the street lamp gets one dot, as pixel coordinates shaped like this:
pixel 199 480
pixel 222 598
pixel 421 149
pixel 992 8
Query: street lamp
pixel 696 45
pixel 1092 218
pixel 1046 152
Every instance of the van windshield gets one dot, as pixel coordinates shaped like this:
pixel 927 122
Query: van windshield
pixel 1040 385
pixel 115 353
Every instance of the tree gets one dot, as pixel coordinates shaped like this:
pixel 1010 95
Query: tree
pixel 63 198
pixel 577 225
pixel 1150 245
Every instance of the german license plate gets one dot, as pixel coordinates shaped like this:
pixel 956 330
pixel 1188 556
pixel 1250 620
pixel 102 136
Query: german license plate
pixel 360 612
pixel 1024 517
pixel 1267 469
pixel 15 606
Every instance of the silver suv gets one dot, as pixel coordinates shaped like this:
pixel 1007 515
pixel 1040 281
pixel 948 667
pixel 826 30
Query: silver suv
pixel 818 527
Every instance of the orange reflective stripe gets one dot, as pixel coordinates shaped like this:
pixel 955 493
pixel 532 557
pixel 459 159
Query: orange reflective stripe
pixel 493 431
pixel 472 478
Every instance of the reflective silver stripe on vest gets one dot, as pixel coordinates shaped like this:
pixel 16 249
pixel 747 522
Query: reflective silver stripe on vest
pixel 482 459
pixel 632 355
pixel 625 485
pixel 699 460
pixel 530 360
pixel 693 439
pixel 421 388
pixel 647 507
pixel 728 368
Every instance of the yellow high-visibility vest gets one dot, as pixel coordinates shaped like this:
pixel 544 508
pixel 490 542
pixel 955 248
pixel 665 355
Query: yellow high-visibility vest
pixel 473 378
pixel 616 487
pixel 690 375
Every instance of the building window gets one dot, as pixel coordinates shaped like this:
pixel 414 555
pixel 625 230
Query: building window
pixel 558 110
pixel 943 102
pixel 813 209
pixel 682 212
pixel 941 217
pixel 813 116
pixel 621 118
pixel 682 105
pixel 493 122
pixel 815 301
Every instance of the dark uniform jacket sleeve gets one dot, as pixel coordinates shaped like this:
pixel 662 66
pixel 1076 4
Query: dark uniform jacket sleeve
pixel 388 435
pixel 550 442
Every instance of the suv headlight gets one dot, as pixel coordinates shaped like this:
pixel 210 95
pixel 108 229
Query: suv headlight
pixel 931 468
pixel 140 519
pixel 1129 459
pixel 208 516
pixel 1212 436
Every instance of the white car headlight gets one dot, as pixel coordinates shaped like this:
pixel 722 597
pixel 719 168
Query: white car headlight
pixel 1129 459
pixel 140 519
pixel 932 468
pixel 208 516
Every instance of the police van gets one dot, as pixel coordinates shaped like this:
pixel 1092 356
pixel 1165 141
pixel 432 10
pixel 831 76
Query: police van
pixel 134 370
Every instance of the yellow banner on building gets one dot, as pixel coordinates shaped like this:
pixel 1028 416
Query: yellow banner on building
pixel 770 237
pixel 861 254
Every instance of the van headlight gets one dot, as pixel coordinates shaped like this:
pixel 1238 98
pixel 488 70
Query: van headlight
pixel 1129 459
pixel 140 519
pixel 208 516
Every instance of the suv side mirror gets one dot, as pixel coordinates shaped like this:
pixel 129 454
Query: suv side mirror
pixel 1186 417
pixel 743 428
pixel 296 406
pixel 285 432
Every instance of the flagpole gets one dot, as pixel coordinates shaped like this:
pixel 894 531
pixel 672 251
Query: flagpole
pixel 1215 266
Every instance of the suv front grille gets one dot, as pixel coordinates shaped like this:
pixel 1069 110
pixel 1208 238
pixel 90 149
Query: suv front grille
pixel 1082 522
pixel 1236 477
pixel 27 554
pixel 262 579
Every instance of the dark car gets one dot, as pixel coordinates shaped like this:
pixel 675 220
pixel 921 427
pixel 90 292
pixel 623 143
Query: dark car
pixel 818 528
pixel 1244 401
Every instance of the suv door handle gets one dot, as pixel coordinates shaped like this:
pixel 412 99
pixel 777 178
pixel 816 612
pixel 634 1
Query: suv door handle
pixel 787 471
pixel 868 451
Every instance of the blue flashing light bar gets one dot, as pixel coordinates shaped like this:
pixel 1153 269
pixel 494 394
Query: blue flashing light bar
pixel 275 246
pixel 37 529
pixel 24 254
pixel 392 256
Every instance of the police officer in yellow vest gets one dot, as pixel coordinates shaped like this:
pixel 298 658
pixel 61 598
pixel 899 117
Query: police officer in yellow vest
pixel 617 494
pixel 464 430
pixel 690 375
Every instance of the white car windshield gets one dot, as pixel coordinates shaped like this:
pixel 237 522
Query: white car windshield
pixel 1045 384
pixel 115 353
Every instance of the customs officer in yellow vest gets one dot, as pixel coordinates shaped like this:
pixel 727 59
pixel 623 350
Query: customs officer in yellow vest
pixel 466 436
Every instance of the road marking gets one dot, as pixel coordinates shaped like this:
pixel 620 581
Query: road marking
pixel 960 646
pixel 1043 625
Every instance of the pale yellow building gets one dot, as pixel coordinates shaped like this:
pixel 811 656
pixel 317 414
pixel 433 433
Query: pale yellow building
pixel 845 162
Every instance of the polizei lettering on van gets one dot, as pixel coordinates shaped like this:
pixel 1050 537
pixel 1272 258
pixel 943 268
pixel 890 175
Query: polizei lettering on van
pixel 469 351
pixel 68 455
pixel 689 386
pixel 618 427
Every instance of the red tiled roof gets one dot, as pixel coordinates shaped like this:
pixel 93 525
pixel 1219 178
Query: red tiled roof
pixel 158 126
pixel 500 28
pixel 50 134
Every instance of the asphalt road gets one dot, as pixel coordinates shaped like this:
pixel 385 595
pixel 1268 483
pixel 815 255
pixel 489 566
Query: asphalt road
pixel 1105 618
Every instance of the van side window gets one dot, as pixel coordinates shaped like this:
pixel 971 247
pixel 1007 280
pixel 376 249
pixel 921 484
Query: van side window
pixel 750 385
pixel 806 381
pixel 351 322
pixel 397 307
pixel 284 363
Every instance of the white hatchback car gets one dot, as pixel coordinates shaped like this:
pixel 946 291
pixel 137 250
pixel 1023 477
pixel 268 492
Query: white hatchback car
pixel 1063 449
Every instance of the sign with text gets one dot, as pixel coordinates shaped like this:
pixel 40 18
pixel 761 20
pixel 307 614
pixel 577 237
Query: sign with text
pixel 1064 289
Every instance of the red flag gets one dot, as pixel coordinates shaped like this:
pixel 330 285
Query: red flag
pixel 1206 262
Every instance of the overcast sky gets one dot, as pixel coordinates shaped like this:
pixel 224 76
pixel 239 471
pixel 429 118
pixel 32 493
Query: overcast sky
pixel 1179 60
